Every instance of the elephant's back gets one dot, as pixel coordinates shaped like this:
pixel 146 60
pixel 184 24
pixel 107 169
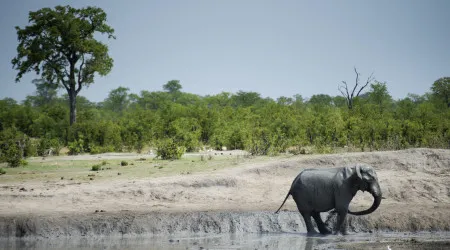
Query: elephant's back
pixel 315 181
pixel 317 174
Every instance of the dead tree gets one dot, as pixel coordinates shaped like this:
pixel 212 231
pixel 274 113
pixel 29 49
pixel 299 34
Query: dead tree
pixel 350 96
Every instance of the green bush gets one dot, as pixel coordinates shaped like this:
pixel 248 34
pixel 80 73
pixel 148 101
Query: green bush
pixel 30 148
pixel 2 171
pixel 13 146
pixel 76 147
pixel 168 150
pixel 56 145
pixel 43 146
pixel 123 163
pixel 93 150
pixel 47 146
pixel 13 155
pixel 96 167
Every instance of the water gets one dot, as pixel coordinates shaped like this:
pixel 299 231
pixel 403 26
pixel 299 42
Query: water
pixel 439 240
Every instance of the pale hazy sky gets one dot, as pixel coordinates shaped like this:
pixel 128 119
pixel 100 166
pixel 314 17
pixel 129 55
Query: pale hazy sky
pixel 275 48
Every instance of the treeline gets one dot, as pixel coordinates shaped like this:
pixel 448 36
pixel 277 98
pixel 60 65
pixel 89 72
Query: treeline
pixel 244 120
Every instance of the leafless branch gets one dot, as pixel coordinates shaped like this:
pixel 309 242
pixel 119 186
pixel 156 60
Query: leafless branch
pixel 357 87
pixel 369 80
pixel 356 83
pixel 343 87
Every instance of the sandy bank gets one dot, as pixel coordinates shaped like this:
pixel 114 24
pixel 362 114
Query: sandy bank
pixel 414 183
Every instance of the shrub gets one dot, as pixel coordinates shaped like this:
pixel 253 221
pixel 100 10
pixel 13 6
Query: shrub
pixel 48 146
pixel 2 171
pixel 104 163
pixel 56 145
pixel 123 163
pixel 168 150
pixel 43 146
pixel 30 148
pixel 96 167
pixel 294 150
pixel 13 155
pixel 76 147
pixel 13 145
pixel 300 150
pixel 95 150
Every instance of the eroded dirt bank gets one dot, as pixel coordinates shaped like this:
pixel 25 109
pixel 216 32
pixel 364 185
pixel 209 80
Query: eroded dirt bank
pixel 414 182
pixel 152 223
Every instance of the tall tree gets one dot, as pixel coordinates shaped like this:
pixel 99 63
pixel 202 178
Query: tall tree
pixel 350 95
pixel 379 95
pixel 172 86
pixel 321 100
pixel 60 46
pixel 246 99
pixel 118 99
pixel 441 89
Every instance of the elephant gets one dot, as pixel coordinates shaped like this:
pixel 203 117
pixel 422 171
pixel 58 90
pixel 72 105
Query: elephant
pixel 320 190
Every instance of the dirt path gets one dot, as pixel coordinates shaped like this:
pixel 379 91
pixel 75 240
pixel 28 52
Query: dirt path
pixel 414 182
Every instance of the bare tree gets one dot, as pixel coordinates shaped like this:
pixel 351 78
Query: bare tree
pixel 350 96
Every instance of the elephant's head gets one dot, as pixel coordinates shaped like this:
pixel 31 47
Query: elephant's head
pixel 367 180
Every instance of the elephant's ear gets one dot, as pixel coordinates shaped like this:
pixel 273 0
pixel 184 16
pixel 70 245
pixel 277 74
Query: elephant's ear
pixel 358 171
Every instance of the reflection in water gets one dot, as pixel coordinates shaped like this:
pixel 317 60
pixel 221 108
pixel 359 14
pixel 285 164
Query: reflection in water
pixel 222 241
pixel 249 241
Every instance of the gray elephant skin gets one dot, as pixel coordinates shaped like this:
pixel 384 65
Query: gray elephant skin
pixel 320 190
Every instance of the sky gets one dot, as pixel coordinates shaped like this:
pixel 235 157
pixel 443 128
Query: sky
pixel 275 48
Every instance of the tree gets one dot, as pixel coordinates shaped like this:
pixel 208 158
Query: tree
pixel 172 86
pixel 441 89
pixel 282 100
pixel 60 46
pixel 45 93
pixel 118 99
pixel 379 96
pixel 351 95
pixel 245 99
pixel 321 100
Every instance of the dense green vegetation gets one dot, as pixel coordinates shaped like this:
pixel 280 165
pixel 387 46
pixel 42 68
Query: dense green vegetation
pixel 59 45
pixel 126 121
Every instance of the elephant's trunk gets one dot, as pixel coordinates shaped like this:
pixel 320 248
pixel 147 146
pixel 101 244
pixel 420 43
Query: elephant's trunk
pixel 375 190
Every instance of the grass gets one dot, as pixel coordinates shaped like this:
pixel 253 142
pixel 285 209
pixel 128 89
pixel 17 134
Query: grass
pixel 57 168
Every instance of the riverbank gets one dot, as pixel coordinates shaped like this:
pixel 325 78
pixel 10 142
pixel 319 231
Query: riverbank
pixel 237 199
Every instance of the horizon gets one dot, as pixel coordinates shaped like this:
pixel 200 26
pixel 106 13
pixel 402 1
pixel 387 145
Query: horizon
pixel 61 92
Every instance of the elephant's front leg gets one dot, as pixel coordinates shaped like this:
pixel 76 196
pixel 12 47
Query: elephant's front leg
pixel 322 228
pixel 341 225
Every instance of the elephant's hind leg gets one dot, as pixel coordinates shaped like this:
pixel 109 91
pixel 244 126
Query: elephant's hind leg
pixel 309 226
pixel 322 228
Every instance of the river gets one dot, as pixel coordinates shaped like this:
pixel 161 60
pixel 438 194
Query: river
pixel 394 241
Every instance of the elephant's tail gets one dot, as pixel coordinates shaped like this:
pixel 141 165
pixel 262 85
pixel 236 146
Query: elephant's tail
pixel 289 193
